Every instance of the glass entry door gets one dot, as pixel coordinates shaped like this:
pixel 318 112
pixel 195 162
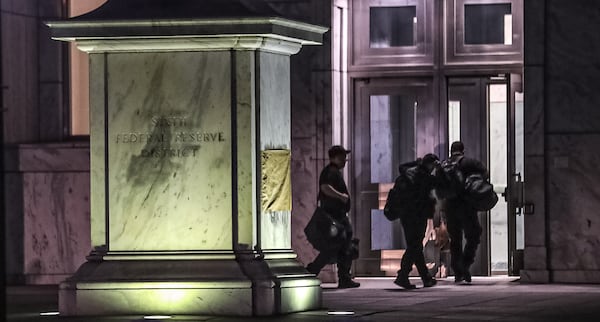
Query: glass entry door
pixel 486 114
pixel 467 122
pixel 394 122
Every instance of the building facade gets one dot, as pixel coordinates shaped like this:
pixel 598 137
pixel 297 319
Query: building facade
pixel 394 80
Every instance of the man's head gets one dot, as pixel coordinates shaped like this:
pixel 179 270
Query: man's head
pixel 457 147
pixel 429 161
pixel 337 155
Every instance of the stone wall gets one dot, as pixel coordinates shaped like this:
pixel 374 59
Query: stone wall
pixel 572 75
pixel 311 78
pixel 47 211
pixel 32 72
pixel 46 184
pixel 562 67
pixel 562 70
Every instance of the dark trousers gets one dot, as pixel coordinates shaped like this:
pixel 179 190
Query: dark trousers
pixel 414 232
pixel 462 218
pixel 341 256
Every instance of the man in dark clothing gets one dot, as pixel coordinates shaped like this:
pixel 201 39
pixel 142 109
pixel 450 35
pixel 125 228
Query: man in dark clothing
pixel 334 200
pixel 462 218
pixel 414 222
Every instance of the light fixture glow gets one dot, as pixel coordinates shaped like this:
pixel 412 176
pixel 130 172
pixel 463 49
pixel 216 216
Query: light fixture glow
pixel 157 317
pixel 340 313
pixel 49 313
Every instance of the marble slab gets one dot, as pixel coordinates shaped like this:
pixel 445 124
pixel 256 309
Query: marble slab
pixel 48 217
pixel 572 179
pixel 534 129
pixel 276 230
pixel 56 236
pixel 572 66
pixel 275 133
pixel 534 194
pixel 169 151
pixel 246 163
pixel 274 101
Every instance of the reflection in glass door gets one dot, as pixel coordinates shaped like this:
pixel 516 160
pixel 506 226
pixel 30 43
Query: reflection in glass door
pixel 392 134
pixel 392 142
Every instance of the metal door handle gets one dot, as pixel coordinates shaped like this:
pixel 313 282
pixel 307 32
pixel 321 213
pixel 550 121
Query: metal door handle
pixel 518 196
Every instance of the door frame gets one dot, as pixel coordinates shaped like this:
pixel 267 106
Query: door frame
pixel 514 194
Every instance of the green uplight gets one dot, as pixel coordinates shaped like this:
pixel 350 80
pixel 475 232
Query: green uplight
pixel 340 313
pixel 157 317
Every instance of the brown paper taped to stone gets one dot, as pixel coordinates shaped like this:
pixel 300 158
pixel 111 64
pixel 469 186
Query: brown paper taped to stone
pixel 276 189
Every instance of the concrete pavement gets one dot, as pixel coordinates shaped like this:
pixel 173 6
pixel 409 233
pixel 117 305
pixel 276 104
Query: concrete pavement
pixel 378 299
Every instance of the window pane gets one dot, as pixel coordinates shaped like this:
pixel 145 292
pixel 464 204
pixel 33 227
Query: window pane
pixel 392 135
pixel 392 26
pixel 498 145
pixel 453 122
pixel 488 24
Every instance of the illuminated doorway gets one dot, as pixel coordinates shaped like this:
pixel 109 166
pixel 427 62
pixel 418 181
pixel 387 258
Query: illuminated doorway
pixel 454 60
pixel 486 114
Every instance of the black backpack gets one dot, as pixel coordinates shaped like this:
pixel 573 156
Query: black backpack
pixel 401 198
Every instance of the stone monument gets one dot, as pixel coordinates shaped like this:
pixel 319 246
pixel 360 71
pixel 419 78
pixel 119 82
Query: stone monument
pixel 190 160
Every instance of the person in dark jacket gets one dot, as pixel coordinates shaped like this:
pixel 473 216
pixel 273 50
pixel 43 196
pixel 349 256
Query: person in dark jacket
pixel 334 200
pixel 414 222
pixel 462 218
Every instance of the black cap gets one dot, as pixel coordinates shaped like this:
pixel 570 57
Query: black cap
pixel 337 150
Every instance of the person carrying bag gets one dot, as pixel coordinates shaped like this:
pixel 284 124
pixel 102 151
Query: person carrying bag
pixel 329 230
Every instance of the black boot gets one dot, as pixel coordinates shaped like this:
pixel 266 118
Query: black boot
pixel 404 282
pixel 429 282
pixel 347 283
pixel 467 276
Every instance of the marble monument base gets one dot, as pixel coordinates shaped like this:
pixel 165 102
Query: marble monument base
pixel 190 284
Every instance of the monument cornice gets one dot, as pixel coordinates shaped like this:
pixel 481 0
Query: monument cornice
pixel 268 43
pixel 269 34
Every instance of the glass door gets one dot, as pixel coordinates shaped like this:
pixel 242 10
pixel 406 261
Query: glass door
pixel 486 113
pixel 514 193
pixel 393 123
pixel 499 156
pixel 468 122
